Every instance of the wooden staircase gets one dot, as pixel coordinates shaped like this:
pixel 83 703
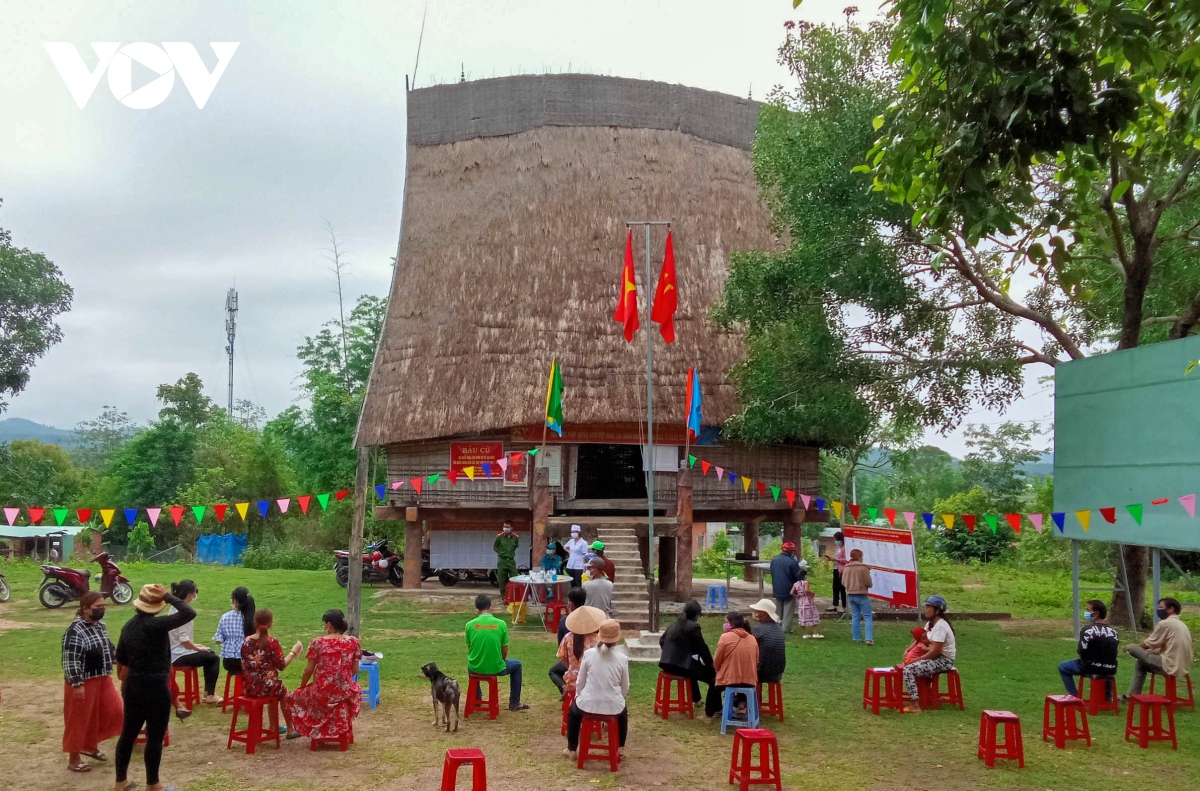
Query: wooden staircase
pixel 631 601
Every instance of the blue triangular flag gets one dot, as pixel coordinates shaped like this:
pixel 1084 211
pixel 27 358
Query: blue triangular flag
pixel 130 516
pixel 928 521
pixel 263 505
pixel 487 469
pixel 820 503
pixel 380 489
pixel 1059 518
pixel 732 476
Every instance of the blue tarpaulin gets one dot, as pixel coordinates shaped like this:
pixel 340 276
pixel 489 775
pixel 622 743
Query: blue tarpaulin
pixel 223 550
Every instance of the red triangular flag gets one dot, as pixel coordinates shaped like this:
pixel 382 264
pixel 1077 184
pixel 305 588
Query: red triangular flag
pixel 854 510
pixel 453 476
pixel 1109 514
pixel 36 514
pixel 791 497
pixel 220 509
pixel 84 514
pixel 340 494
pixel 762 489
pixel 627 309
pixel 666 295
pixel 890 513
pixel 176 514
pixel 704 467
pixel 304 500
pixel 970 520
pixel 416 483
pixel 1014 521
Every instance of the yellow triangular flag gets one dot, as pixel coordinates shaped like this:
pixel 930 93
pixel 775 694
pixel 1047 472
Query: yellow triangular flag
pixel 470 472
pixel 745 484
pixel 1085 519
pixel 107 514
pixel 837 509
pixel 949 520
pixel 241 509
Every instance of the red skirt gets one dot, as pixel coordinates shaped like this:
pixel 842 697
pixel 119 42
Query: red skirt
pixel 98 717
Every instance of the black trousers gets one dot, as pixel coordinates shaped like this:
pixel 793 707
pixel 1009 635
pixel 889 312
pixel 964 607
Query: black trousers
pixel 207 660
pixel 147 703
pixel 839 590
pixel 576 577
pixel 712 701
pixel 558 676
pixel 233 667
pixel 575 723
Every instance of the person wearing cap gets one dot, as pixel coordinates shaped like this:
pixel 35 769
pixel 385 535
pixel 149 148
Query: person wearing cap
pixel 505 547
pixel 857 579
pixel 938 656
pixel 610 570
pixel 785 573
pixel 599 589
pixel 772 649
pixel 144 667
pixel 582 626
pixel 577 550
pixel 601 686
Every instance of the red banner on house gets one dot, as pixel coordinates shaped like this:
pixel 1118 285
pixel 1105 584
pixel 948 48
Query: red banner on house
pixel 477 454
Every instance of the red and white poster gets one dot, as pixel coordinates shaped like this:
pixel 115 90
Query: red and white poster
pixel 893 562
pixel 476 454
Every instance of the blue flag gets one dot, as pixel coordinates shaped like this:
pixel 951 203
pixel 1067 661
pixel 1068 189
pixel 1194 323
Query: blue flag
pixel 1059 518
pixel 263 505
pixel 820 503
pixel 130 516
pixel 380 489
pixel 928 521
pixel 694 397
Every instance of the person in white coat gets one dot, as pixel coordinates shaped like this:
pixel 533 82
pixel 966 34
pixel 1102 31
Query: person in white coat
pixel 601 686
pixel 577 550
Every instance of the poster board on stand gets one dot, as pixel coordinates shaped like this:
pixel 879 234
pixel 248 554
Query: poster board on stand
pixel 893 560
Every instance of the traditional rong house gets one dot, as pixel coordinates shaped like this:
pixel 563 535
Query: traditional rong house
pixel 517 192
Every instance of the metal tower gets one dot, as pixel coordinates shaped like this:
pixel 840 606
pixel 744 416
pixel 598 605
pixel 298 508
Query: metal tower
pixel 231 309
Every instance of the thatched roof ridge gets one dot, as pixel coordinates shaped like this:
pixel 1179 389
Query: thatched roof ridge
pixel 510 255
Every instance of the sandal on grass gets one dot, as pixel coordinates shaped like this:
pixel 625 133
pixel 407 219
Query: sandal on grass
pixel 96 754
pixel 519 707
pixel 183 714
pixel 81 768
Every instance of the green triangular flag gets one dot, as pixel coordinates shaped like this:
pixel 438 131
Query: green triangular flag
pixel 323 499
pixel 991 522
pixel 198 511
pixel 60 515
pixel 775 492
pixel 434 478
pixel 691 461
pixel 534 451
pixel 1135 511
pixel 872 513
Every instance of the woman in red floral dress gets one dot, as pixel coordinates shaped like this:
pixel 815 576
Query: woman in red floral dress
pixel 262 661
pixel 326 708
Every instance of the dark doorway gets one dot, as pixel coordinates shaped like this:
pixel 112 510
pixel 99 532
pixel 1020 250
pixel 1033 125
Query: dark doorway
pixel 610 472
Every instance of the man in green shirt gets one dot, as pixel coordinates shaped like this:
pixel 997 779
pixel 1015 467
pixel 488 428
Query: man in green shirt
pixel 505 547
pixel 487 650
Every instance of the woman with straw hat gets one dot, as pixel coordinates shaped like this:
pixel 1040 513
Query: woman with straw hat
pixel 583 624
pixel 601 687
pixel 144 667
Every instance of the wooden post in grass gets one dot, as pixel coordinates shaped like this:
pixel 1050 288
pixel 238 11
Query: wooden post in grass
pixel 354 562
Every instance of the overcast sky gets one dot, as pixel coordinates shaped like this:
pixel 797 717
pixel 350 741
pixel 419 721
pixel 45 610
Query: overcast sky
pixel 154 214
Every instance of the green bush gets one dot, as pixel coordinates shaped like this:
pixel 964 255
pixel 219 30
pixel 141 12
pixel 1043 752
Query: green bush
pixel 140 541
pixel 286 556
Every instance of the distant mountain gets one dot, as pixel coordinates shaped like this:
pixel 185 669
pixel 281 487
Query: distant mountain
pixel 18 428
pixel 876 462
pixel 1042 467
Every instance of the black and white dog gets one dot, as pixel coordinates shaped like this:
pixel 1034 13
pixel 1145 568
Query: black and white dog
pixel 445 693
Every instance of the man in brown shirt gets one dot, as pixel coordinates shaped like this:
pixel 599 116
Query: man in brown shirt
pixel 857 579
pixel 1167 651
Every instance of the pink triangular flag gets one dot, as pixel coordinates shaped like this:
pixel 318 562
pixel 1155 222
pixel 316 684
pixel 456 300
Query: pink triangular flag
pixel 153 514
pixel 804 498
pixel 11 515
pixel 1188 501
pixel 1036 519
pixel 909 516
pixel 503 462
pixel 396 485
pixel 720 473
pixel 283 504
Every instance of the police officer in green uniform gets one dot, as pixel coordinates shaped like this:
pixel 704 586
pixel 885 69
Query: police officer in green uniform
pixel 505 547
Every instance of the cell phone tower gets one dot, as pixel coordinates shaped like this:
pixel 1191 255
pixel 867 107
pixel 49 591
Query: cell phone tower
pixel 231 309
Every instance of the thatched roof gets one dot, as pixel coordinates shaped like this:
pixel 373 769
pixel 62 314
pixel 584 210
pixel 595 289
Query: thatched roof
pixel 510 255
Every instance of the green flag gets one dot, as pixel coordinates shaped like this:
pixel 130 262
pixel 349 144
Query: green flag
pixel 1135 511
pixel 434 478
pixel 554 394
pixel 60 515
pixel 691 461
pixel 872 513
pixel 991 522
pixel 198 512
pixel 533 451
pixel 775 490
pixel 323 499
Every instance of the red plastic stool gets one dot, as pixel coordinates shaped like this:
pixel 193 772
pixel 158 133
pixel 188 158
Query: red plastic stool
pixel 1096 689
pixel 931 697
pixel 343 742
pixel 568 699
pixel 254 733
pixel 1064 727
pixel 1171 692
pixel 1150 727
pixel 141 739
pixel 594 724
pixel 773 703
pixel 464 757
pixel 555 612
pixel 191 686
pixel 227 701
pixel 490 704
pixel 766 771
pixel 673 693
pixel 1013 748
pixel 890 696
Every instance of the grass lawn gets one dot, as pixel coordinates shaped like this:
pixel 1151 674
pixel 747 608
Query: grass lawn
pixel 827 742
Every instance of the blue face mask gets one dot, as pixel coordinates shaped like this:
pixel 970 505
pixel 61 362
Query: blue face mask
pixel 839 543
pixel 1089 615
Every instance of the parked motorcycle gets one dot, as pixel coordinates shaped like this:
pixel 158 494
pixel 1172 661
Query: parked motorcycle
pixel 451 577
pixel 4 592
pixel 61 584
pixel 380 564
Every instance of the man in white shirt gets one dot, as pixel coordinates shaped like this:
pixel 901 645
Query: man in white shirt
pixel 577 550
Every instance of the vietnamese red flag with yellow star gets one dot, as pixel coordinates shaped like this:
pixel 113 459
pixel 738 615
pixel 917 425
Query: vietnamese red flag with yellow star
pixel 627 308
pixel 666 295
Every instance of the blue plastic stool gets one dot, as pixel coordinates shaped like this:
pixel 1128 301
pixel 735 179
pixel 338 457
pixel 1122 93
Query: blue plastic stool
pixel 370 692
pixel 751 720
pixel 717 597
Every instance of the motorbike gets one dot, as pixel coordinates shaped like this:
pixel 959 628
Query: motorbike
pixel 61 584
pixel 451 577
pixel 4 593
pixel 380 564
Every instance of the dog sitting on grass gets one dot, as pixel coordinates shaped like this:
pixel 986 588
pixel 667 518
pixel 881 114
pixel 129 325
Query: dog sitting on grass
pixel 445 693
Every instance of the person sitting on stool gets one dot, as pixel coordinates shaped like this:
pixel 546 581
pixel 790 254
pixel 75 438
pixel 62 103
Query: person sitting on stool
pixel 1097 651
pixel 1166 652
pixel 601 688
pixel 487 650
pixel 576 598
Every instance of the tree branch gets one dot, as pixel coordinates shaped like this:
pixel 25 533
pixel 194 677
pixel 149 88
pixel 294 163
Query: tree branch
pixel 1035 356
pixel 1187 320
pixel 1185 172
pixel 1150 322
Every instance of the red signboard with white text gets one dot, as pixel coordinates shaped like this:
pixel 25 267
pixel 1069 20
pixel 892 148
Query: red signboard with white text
pixel 893 562
pixel 476 454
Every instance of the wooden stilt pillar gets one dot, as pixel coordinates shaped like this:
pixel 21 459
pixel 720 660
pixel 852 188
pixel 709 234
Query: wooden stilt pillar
pixel 750 544
pixel 666 563
pixel 793 526
pixel 541 506
pixel 683 541
pixel 354 571
pixel 413 535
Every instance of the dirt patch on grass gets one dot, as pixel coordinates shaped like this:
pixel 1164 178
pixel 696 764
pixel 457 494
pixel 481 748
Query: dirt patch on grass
pixel 5 625
pixel 974 587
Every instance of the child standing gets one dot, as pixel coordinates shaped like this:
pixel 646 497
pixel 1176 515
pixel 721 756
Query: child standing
pixel 918 648
pixel 806 606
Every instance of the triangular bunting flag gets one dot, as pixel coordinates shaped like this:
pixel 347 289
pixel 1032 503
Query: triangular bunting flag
pixel 381 491
pixel 60 515
pixel 83 514
pixel 762 488
pixel 452 474
pixel 503 464
pixel 804 498
pixel 35 515
pixel 733 477
pixel 949 520
pixel 704 468
pixel 469 472
pixel 219 509
pixel 1059 518
pixel 304 500
pixel 283 503
pixel 198 512
pixel 434 478
pixel 176 514
pixel 791 497
pixel 1160 501
pixel 1085 518
pixel 1135 511
pixel 263 507
pixel 396 485
pixel 746 484
pixel 720 472
pixel 533 451
pixel 242 509
pixel 820 504
pixel 10 515
pixel 323 499
pixel 106 515
pixel 855 510
pixel 775 493
pixel 1014 521
pixel 872 514
pixel 993 522
pixel 910 516
pixel 691 461
pixel 416 484
pixel 341 494
pixel 152 515
pixel 969 519
pixel 1188 501
pixel 487 469
pixel 1109 514
pixel 836 505
pixel 890 514
pixel 130 516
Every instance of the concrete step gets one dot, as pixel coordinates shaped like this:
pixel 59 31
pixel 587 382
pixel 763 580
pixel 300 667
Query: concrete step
pixel 643 648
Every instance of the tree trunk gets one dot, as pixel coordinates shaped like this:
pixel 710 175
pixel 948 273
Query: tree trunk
pixel 354 567
pixel 1137 561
